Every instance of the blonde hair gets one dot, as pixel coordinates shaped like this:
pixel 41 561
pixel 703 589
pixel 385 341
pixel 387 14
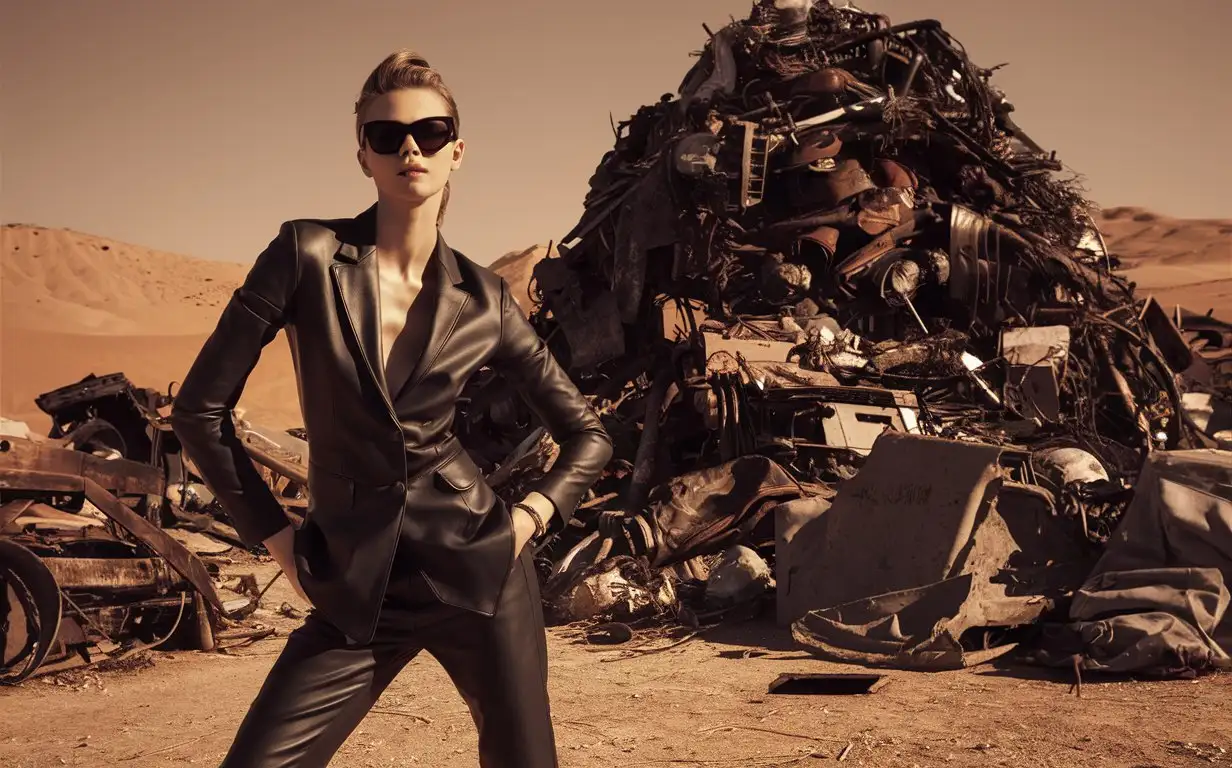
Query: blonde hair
pixel 405 69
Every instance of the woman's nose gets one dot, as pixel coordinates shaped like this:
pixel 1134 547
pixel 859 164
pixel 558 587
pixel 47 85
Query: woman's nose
pixel 408 146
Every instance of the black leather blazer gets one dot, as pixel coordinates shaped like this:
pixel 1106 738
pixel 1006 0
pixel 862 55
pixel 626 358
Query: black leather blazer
pixel 376 479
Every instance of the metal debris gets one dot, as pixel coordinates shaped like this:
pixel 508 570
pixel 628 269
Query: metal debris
pixel 91 569
pixel 833 235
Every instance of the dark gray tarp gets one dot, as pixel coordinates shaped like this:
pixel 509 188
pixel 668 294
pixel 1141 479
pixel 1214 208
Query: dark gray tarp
pixel 1157 601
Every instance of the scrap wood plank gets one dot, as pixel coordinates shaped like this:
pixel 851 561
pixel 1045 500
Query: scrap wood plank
pixel 176 554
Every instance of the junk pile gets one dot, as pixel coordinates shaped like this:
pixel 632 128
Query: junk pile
pixel 109 543
pixel 858 342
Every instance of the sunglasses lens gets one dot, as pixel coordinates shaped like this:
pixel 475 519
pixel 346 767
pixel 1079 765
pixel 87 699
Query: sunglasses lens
pixel 431 135
pixel 385 137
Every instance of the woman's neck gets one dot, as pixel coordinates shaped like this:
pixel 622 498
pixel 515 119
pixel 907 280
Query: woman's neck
pixel 406 235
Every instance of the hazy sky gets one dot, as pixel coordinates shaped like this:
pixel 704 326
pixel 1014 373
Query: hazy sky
pixel 197 127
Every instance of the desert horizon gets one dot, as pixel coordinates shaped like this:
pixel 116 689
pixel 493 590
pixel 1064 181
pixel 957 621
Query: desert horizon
pixel 75 304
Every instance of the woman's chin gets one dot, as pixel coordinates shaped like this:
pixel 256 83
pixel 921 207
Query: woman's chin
pixel 411 192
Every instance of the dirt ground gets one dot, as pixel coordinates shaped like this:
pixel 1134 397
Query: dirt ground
pixel 702 703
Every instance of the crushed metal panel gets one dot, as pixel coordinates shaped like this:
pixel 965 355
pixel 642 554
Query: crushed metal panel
pixel 1167 337
pixel 1181 516
pixel 905 520
pixel 789 518
pixel 841 417
pixel 594 332
pixel 647 221
pixel 918 628
pixel 705 511
pixel 1035 358
pixel 857 427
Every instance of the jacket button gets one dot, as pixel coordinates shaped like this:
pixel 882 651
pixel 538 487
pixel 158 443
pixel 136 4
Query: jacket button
pixel 400 487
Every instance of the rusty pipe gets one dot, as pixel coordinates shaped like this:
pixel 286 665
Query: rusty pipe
pixel 647 447
pixel 296 472
pixel 107 573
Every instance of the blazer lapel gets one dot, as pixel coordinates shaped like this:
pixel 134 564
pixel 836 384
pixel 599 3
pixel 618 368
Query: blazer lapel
pixel 354 273
pixel 450 300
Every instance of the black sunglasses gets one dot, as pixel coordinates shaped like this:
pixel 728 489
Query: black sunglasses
pixel 431 134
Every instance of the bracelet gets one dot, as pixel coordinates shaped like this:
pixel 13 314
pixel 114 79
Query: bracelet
pixel 540 526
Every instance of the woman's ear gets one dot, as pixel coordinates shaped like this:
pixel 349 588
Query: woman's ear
pixel 359 157
pixel 459 149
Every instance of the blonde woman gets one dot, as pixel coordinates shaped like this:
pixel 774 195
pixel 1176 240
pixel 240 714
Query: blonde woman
pixel 404 548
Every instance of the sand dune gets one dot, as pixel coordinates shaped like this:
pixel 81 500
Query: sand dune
pixel 516 267
pixel 1179 261
pixel 78 283
pixel 72 304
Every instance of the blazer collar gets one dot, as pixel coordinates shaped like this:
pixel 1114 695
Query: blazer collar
pixel 357 243
pixel 357 283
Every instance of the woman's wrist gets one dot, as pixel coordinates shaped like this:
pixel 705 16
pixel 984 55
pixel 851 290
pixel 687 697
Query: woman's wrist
pixel 541 525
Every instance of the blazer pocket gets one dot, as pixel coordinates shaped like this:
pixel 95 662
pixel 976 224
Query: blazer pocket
pixel 460 475
pixel 329 526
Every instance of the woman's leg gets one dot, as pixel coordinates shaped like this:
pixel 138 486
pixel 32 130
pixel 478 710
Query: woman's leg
pixel 500 666
pixel 318 690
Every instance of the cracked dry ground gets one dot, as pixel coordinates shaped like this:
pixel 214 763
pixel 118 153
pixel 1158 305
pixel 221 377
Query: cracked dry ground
pixel 698 704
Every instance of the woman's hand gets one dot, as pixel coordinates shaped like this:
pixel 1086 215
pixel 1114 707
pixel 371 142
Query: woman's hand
pixel 281 547
pixel 524 524
pixel 523 529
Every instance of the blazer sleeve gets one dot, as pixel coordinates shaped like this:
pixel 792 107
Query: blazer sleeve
pixel 523 358
pixel 201 412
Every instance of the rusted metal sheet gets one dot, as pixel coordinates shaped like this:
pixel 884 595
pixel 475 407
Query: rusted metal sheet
pixel 117 475
pixel 904 521
pixel 297 472
pixel 38 480
pixel 13 510
pixel 177 555
pixel 108 573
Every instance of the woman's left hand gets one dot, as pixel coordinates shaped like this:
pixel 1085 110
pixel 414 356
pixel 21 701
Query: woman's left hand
pixel 524 524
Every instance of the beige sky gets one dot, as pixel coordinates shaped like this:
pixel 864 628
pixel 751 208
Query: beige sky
pixel 197 127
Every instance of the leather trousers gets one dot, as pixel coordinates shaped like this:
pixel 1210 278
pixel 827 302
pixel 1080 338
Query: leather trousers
pixel 323 684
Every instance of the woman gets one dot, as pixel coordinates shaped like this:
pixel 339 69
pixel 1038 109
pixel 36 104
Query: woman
pixel 404 546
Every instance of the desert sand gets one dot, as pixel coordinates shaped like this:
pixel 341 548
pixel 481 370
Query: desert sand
pixel 702 704
pixel 75 304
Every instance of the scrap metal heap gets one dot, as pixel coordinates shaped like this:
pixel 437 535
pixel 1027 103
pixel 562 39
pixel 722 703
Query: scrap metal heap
pixel 107 534
pixel 835 231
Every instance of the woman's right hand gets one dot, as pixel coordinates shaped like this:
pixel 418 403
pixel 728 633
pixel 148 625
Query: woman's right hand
pixel 281 547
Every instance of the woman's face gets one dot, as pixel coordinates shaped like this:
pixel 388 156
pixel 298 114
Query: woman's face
pixel 410 173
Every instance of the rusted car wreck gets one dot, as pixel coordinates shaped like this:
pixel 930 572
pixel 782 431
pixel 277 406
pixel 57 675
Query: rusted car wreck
pixel 96 523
